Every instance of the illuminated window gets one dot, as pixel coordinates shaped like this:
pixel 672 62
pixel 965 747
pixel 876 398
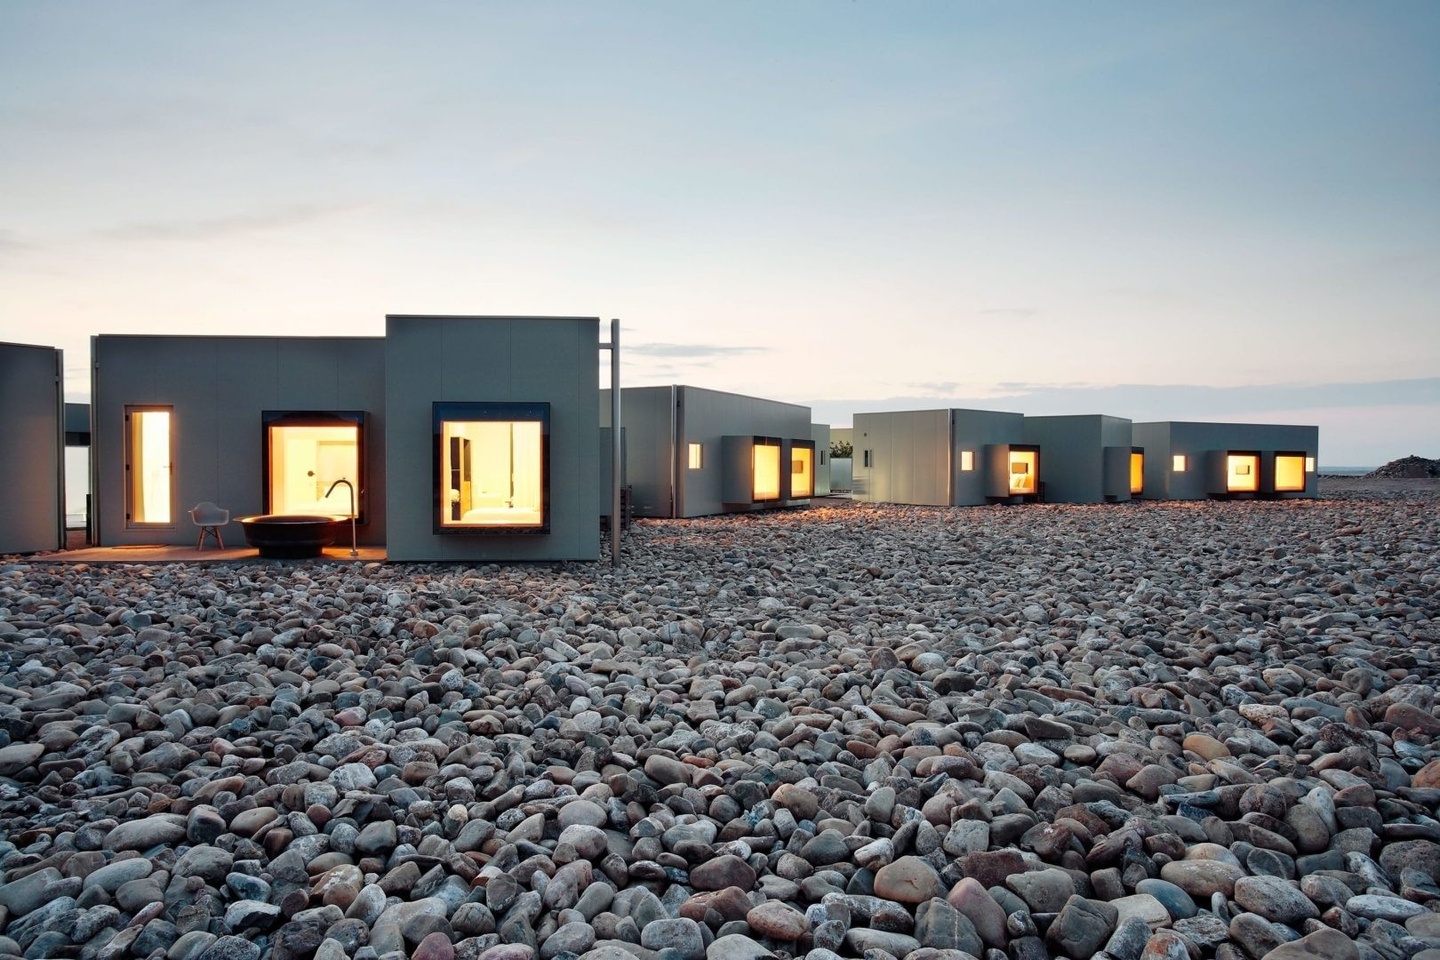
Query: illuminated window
pixel 1177 463
pixel 1242 472
pixel 1137 472
pixel 802 472
pixel 766 470
pixel 1289 472
pixel 695 451
pixel 967 460
pixel 305 455
pixel 1309 464
pixel 1024 472
pixel 492 467
pixel 148 465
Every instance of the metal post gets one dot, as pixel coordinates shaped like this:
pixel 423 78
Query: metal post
pixel 615 452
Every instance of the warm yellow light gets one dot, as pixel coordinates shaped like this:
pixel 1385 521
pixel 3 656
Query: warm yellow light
pixel 1242 473
pixel 1289 473
pixel 1137 473
pixel 767 471
pixel 491 473
pixel 802 473
pixel 1177 463
pixel 967 460
pixel 1023 470
pixel 305 462
pixel 1309 464
pixel 150 466
pixel 695 454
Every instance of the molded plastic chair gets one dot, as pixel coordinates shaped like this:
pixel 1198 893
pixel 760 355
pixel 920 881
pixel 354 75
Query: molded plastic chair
pixel 209 518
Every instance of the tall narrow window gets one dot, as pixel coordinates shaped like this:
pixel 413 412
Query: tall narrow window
pixel 492 467
pixel 1024 472
pixel 865 459
pixel 802 472
pixel 766 467
pixel 696 452
pixel 967 460
pixel 307 454
pixel 148 466
pixel 1242 472
pixel 1289 472
pixel 1137 472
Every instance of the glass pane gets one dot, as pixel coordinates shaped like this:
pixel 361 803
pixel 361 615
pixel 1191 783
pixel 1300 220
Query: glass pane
pixel 695 451
pixel 305 463
pixel 149 441
pixel 802 472
pixel 1242 473
pixel 1289 472
pixel 1137 473
pixel 1022 472
pixel 492 471
pixel 767 471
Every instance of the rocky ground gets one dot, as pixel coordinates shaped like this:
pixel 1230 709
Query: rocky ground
pixel 1158 730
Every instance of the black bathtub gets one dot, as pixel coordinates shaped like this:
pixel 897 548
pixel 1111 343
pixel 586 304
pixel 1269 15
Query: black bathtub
pixel 289 537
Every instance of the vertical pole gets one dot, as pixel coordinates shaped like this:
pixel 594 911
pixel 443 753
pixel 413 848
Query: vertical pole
pixel 615 450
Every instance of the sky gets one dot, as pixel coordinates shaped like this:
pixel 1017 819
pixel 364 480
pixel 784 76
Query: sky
pixel 1189 211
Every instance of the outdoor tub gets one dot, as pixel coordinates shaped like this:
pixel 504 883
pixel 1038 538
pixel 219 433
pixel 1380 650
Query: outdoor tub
pixel 288 537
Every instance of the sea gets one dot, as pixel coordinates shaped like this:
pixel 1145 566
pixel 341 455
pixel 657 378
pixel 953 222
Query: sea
pixel 1344 471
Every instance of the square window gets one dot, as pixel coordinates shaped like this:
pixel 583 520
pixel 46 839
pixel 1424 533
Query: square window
pixel 492 468
pixel 696 452
pixel 307 454
pixel 1177 463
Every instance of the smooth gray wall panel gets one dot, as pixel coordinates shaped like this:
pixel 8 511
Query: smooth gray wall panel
pixel 650 453
pixel 909 457
pixel 820 433
pixel 552 360
pixel 32 445
pixel 1072 455
pixel 218 387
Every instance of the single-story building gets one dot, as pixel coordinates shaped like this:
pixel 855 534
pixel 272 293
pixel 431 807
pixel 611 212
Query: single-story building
pixel 1194 461
pixel 450 438
pixel 820 433
pixel 693 452
pixel 32 448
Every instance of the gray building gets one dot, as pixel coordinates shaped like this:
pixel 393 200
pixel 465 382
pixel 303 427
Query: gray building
pixel 692 452
pixel 1088 458
pixel 32 446
pixel 944 458
pixel 493 451
pixel 1194 461
pixel 820 433
pixel 258 425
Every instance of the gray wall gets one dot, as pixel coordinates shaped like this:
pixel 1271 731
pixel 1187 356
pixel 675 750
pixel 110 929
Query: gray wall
pixel 705 416
pixel 1201 442
pixel 974 430
pixel 218 387
pixel 32 443
pixel 1072 455
pixel 552 360
pixel 820 433
pixel 650 454
pixel 909 457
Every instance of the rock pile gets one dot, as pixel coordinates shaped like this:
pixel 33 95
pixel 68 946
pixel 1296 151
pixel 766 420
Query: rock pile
pixel 1138 731
pixel 1406 468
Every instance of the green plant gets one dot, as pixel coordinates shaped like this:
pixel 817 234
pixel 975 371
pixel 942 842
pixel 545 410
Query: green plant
pixel 840 450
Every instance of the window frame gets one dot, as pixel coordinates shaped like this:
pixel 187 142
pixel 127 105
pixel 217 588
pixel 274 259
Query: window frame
pixel 316 418
pixel 132 458
pixel 443 412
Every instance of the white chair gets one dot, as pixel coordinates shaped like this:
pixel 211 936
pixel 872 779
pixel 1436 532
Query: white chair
pixel 209 518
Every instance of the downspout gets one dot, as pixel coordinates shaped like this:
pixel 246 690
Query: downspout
pixel 950 458
pixel 674 452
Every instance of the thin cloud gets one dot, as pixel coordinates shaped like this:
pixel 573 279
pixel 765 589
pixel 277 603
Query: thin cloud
pixel 1017 312
pixel 219 228
pixel 692 351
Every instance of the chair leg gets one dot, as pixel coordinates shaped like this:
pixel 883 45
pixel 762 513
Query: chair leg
pixel 200 541
pixel 218 539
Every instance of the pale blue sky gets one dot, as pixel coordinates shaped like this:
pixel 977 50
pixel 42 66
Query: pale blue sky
pixel 1065 207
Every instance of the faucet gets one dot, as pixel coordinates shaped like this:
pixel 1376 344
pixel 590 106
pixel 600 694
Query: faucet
pixel 351 487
